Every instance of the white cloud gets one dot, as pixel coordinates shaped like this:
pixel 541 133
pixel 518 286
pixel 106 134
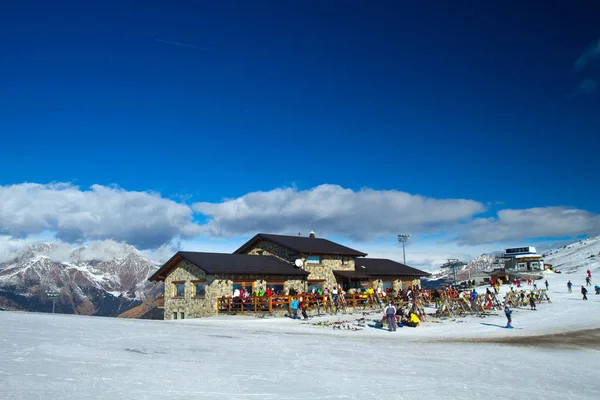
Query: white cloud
pixel 164 252
pixel 424 260
pixel 539 222
pixel 142 219
pixel 11 248
pixel 105 218
pixel 590 54
pixel 332 210
pixel 101 250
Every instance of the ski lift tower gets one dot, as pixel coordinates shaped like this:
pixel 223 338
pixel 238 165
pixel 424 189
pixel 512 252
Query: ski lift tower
pixel 403 238
pixel 454 264
pixel 53 294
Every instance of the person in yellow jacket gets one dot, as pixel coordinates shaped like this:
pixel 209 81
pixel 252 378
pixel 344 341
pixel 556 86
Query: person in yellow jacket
pixel 413 320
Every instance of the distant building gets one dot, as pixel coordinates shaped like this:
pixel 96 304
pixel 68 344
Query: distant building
pixel 522 259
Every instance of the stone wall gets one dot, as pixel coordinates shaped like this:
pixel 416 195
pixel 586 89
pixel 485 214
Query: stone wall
pixel 216 286
pixel 188 304
pixel 322 271
pixel 396 282
pixel 272 249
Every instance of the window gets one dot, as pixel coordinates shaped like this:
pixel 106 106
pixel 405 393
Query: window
pixel 179 289
pixel 345 260
pixel 315 285
pixel 248 286
pixel 353 285
pixel 387 285
pixel 522 265
pixel 199 289
pixel 276 287
pixel 174 314
pixel 313 260
pixel 181 315
pixel 535 265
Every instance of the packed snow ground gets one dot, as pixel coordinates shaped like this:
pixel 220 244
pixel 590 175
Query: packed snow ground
pixel 45 356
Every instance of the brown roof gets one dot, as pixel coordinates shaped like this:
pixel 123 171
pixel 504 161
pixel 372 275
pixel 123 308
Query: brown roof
pixel 303 244
pixel 351 275
pixel 385 267
pixel 222 263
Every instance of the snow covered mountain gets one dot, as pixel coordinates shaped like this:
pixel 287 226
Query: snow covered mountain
pixel 104 278
pixel 480 264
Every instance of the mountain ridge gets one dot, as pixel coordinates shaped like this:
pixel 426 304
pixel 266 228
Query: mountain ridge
pixel 106 279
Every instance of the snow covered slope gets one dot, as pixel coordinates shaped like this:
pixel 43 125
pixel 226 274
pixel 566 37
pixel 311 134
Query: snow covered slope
pixel 570 258
pixel 238 357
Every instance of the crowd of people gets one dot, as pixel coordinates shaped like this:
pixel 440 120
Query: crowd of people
pixel 334 299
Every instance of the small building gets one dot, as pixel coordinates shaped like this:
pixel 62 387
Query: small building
pixel 523 259
pixel 194 281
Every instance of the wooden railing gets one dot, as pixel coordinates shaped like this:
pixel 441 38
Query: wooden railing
pixel 283 303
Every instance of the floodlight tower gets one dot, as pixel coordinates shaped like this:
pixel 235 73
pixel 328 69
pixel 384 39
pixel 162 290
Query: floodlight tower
pixel 53 294
pixel 403 238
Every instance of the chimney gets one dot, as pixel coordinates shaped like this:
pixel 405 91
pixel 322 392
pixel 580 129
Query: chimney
pixel 311 234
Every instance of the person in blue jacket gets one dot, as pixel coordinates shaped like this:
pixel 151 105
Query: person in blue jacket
pixel 597 289
pixel 473 297
pixel 508 314
pixel 295 308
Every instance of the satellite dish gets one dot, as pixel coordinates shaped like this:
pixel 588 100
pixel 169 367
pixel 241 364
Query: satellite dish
pixel 298 262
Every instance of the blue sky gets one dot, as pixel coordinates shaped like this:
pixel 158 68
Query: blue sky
pixel 197 102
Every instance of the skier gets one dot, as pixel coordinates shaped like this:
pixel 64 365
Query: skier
pixel 589 274
pixel 569 285
pixel 532 300
pixel 546 283
pixel 597 289
pixel 508 313
pixel 584 293
pixel 588 281
pixel 390 313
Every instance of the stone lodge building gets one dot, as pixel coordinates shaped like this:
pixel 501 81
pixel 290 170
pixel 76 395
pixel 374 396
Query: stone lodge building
pixel 194 280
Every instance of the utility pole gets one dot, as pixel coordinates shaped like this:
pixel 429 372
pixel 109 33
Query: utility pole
pixel 53 294
pixel 403 238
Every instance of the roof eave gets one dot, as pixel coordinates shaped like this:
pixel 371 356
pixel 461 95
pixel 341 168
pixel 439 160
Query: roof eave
pixel 155 277
pixel 249 243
